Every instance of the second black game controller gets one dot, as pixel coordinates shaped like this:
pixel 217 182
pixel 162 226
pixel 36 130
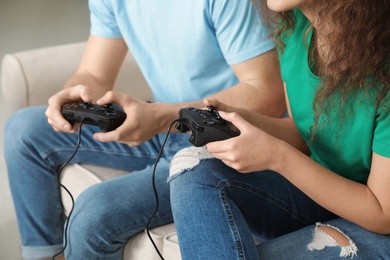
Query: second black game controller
pixel 205 125
pixel 106 117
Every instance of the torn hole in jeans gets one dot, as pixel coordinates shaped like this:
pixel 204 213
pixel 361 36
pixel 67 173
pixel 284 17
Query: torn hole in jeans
pixel 329 236
pixel 188 158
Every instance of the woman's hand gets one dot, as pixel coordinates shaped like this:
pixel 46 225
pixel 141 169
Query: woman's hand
pixel 253 150
pixel 220 106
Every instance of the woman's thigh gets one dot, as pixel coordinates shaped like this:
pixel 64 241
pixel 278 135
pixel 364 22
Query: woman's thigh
pixel 270 204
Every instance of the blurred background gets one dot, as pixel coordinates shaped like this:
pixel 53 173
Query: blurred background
pixel 24 25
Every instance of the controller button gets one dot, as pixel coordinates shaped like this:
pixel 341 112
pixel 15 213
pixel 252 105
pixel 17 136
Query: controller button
pixel 86 104
pixel 211 108
pixel 217 116
pixel 108 113
pixel 106 107
pixel 210 123
pixel 104 122
pixel 67 114
pixel 197 128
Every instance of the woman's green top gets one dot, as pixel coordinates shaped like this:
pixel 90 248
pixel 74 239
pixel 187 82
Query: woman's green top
pixel 343 141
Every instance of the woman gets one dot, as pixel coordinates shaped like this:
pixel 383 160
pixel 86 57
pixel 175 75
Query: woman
pixel 314 185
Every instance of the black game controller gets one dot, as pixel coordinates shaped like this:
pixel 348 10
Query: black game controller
pixel 205 125
pixel 106 117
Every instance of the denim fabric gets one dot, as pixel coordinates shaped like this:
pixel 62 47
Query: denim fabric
pixel 218 212
pixel 107 214
pixel 370 245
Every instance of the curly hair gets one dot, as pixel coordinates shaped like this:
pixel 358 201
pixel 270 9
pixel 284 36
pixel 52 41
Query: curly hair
pixel 360 47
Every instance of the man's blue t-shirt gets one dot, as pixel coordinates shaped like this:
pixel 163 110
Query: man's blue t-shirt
pixel 184 47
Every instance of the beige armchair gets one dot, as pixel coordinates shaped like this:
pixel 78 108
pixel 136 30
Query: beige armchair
pixel 29 78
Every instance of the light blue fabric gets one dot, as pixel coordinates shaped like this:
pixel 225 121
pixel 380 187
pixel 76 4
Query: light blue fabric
pixel 197 41
pixel 184 49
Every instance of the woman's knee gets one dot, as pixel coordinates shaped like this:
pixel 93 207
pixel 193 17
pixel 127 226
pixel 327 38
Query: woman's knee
pixel 186 160
pixel 186 173
pixel 195 165
pixel 192 170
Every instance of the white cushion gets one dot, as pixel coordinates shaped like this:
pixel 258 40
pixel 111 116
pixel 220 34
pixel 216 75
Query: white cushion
pixel 77 178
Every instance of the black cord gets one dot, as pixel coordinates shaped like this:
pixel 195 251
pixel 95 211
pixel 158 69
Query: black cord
pixel 155 191
pixel 153 182
pixel 67 191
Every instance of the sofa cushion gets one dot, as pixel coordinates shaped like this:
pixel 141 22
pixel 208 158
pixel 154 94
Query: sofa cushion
pixel 78 177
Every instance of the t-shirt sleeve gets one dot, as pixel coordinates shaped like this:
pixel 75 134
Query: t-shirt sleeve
pixel 240 30
pixel 103 21
pixel 381 141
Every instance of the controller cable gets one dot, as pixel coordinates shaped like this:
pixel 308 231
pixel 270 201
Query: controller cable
pixel 148 227
pixel 155 190
pixel 67 191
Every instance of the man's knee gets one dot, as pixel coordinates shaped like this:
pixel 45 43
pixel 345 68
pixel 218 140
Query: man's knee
pixel 24 125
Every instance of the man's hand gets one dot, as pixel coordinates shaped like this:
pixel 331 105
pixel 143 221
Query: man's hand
pixel 96 74
pixel 142 120
pixel 67 95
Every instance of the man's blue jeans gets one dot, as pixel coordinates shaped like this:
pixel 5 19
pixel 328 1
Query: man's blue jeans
pixel 218 212
pixel 106 215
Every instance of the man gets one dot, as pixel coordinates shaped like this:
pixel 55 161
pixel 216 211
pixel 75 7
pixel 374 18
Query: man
pixel 187 50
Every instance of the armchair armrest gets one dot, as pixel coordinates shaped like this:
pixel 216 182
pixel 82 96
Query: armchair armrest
pixel 30 77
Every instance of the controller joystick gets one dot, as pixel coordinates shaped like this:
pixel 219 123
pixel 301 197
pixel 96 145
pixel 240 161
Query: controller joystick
pixel 213 110
pixel 205 125
pixel 106 117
